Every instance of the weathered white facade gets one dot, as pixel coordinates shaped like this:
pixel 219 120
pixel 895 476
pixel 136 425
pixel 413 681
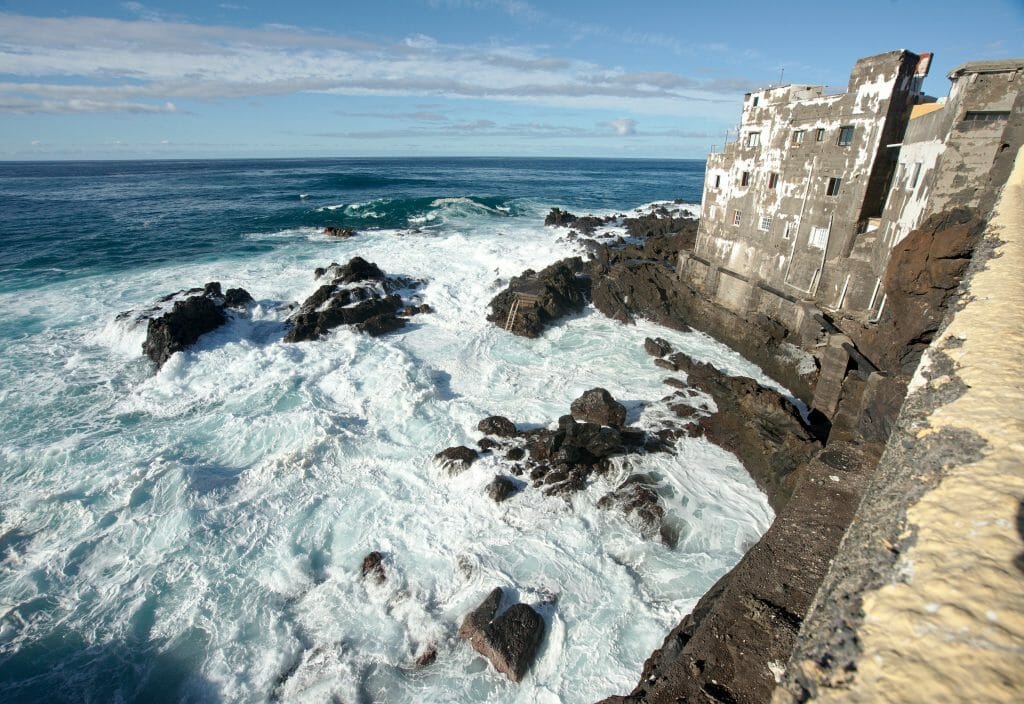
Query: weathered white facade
pixel 802 210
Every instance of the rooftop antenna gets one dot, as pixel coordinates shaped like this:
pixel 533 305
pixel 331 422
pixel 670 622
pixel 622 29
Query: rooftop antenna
pixel 782 72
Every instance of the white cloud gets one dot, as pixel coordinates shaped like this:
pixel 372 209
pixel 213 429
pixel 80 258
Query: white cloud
pixel 88 64
pixel 623 126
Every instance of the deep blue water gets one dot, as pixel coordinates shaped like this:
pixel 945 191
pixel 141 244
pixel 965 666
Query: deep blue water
pixel 68 219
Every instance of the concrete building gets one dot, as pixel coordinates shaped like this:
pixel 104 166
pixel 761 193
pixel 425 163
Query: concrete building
pixel 801 211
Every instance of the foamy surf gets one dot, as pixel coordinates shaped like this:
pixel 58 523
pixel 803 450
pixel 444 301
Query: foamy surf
pixel 198 532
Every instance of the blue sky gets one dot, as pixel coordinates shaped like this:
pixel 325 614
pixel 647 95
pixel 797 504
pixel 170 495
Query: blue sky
pixel 248 78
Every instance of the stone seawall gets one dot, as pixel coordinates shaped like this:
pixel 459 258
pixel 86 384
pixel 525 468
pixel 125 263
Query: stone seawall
pixel 925 598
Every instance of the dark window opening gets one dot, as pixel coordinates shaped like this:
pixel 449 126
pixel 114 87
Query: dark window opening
pixel 833 186
pixel 773 181
pixel 718 181
pixel 745 179
pixel 845 136
pixel 819 134
pixel 755 101
pixel 798 137
pixel 916 176
pixel 985 115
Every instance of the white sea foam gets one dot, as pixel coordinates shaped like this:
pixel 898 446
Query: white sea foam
pixel 228 500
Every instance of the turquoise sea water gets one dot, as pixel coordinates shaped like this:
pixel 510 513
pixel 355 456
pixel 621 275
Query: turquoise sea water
pixel 196 534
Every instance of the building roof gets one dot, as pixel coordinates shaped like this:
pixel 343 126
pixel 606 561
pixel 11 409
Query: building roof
pixel 987 67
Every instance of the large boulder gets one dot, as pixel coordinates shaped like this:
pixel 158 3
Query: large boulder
pixel 598 406
pixel 541 298
pixel 456 459
pixel 192 313
pixel 499 426
pixel 509 641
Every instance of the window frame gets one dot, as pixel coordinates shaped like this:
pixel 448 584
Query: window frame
pixel 773 180
pixel 790 229
pixel 765 224
pixel 915 176
pixel 718 181
pixel 745 179
pixel 818 238
pixel 798 138
pixel 845 133
pixel 753 139
pixel 835 183
pixel 737 217
pixel 819 134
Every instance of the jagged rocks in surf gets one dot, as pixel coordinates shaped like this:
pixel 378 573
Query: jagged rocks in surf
pixel 339 232
pixel 534 300
pixel 559 218
pixel 456 459
pixel 657 347
pixel 359 294
pixel 509 641
pixel 192 314
pixel 598 406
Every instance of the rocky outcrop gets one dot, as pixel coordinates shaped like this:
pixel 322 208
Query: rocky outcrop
pixel 192 314
pixel 359 294
pixel 598 406
pixel 501 488
pixel 373 568
pixel 510 640
pixel 339 232
pixel 456 459
pixel 543 297
pixel 499 426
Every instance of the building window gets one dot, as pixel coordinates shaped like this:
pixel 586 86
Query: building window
pixel 773 181
pixel 798 137
pixel 790 229
pixel 737 216
pixel 755 101
pixel 754 139
pixel 745 179
pixel 845 136
pixel 819 134
pixel 766 223
pixel 718 181
pixel 818 238
pixel 916 176
pixel 985 116
pixel 833 186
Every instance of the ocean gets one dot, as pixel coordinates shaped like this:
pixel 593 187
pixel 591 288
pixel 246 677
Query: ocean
pixel 196 534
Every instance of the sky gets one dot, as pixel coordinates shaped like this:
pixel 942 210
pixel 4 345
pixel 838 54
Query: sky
pixel 587 78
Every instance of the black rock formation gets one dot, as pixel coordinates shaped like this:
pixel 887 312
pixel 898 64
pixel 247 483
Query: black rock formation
pixel 510 641
pixel 598 406
pixel 543 297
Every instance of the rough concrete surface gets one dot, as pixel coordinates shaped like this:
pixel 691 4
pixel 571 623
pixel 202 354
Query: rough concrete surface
pixel 940 613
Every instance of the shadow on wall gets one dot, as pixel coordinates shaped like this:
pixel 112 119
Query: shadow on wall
pixel 1019 560
pixel 62 667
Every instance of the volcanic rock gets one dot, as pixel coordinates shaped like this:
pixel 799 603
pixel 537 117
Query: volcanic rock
pixel 501 488
pixel 598 406
pixel 456 459
pixel 499 426
pixel 510 641
pixel 559 218
pixel 340 232
pixel 657 347
pixel 541 298
pixel 194 313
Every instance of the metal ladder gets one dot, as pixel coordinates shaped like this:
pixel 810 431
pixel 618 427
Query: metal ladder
pixel 512 315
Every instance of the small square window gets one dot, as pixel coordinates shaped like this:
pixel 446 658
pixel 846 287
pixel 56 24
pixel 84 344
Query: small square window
pixel 754 139
pixel 745 179
pixel 790 229
pixel 818 238
pixel 766 223
pixel 718 180
pixel 798 137
pixel 773 181
pixel 845 136
pixel 819 134
pixel 833 186
pixel 737 216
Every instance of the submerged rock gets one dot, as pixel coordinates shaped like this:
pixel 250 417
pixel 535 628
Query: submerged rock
pixel 510 641
pixel 373 568
pixel 340 232
pixel 194 313
pixel 501 488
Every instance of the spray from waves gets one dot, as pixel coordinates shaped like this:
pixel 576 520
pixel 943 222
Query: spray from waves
pixel 200 530
pixel 400 213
